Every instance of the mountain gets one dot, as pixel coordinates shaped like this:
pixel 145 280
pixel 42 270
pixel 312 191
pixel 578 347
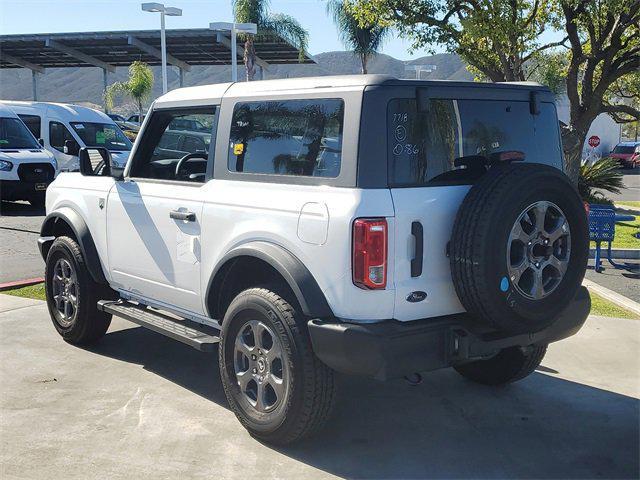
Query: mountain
pixel 84 85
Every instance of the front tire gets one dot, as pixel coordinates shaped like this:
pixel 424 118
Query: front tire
pixel 277 388
pixel 72 294
pixel 508 366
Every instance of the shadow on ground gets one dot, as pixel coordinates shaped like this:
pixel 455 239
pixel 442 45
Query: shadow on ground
pixel 542 427
pixel 20 209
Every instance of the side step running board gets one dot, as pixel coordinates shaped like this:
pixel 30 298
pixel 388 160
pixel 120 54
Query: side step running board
pixel 196 335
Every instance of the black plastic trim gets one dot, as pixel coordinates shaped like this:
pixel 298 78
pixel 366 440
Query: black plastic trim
pixel 83 237
pixel 392 349
pixel 416 261
pixel 307 291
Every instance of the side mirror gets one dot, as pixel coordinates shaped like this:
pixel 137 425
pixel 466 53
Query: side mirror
pixel 97 161
pixel 71 147
pixel 41 142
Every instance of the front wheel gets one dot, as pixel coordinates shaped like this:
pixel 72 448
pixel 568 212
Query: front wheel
pixel 72 294
pixel 508 366
pixel 277 388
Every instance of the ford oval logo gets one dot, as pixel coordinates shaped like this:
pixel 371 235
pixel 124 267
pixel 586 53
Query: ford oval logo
pixel 417 296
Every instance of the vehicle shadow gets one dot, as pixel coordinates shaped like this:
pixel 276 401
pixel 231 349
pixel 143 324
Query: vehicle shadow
pixel 447 427
pixel 20 209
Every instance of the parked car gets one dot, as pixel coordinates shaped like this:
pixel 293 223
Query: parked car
pixel 65 128
pixel 26 168
pixel 135 119
pixel 192 125
pixel 359 224
pixel 627 153
pixel 116 118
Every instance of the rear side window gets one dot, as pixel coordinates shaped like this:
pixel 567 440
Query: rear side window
pixel 287 137
pixel 33 123
pixel 423 146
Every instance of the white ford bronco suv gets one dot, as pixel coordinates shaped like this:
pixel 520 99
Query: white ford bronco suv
pixel 358 224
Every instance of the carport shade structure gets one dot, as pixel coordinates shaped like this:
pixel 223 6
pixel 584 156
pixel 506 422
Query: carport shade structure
pixel 108 50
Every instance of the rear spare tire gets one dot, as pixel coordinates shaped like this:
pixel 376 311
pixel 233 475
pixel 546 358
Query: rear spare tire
pixel 519 247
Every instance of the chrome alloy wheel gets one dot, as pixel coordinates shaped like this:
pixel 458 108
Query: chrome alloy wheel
pixel 65 292
pixel 538 250
pixel 260 367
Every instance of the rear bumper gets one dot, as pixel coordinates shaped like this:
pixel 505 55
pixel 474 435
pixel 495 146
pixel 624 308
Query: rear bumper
pixel 392 349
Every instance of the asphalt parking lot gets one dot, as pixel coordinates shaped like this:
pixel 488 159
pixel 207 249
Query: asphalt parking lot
pixel 19 230
pixel 138 405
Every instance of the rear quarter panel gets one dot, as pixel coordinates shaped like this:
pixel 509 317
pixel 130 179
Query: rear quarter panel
pixel 240 212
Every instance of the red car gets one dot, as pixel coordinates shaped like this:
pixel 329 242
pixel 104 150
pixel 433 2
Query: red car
pixel 627 153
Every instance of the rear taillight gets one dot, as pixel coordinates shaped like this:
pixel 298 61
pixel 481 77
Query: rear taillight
pixel 370 253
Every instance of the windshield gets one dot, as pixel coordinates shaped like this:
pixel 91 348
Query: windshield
pixel 14 135
pixel 104 135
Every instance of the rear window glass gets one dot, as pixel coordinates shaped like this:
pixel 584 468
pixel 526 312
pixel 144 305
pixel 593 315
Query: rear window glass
pixel 623 149
pixel 287 137
pixel 423 146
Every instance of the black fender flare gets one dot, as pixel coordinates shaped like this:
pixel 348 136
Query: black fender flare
pixel 83 236
pixel 307 291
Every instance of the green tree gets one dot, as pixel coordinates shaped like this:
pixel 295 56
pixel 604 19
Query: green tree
pixel 138 86
pixel 500 39
pixel 287 27
pixel 363 40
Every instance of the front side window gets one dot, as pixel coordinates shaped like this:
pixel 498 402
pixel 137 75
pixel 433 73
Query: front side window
pixel 287 137
pixel 104 135
pixel 167 153
pixel 33 124
pixel 15 135
pixel 58 134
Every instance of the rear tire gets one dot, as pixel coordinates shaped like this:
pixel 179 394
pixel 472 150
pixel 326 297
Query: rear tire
pixel 508 366
pixel 72 294
pixel 284 393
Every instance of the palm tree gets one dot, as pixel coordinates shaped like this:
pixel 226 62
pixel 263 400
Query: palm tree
pixel 138 86
pixel 364 41
pixel 285 26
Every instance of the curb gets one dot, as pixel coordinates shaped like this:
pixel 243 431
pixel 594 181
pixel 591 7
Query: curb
pixel 20 283
pixel 617 253
pixel 613 297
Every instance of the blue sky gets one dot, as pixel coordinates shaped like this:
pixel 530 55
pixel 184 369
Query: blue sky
pixel 51 16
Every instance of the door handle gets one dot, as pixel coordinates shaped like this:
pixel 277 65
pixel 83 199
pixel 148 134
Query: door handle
pixel 416 261
pixel 180 215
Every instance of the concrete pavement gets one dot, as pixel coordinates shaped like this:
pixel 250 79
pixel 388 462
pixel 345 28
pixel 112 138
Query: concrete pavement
pixel 138 405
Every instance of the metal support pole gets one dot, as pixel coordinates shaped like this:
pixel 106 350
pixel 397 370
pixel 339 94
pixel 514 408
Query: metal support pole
pixel 104 89
pixel 234 55
pixel 34 82
pixel 163 48
pixel 181 77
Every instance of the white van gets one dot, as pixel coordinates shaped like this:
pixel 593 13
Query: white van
pixel 26 169
pixel 64 128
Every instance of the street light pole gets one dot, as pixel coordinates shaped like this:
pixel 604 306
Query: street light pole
pixel 234 55
pixel 171 12
pixel 234 29
pixel 163 48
